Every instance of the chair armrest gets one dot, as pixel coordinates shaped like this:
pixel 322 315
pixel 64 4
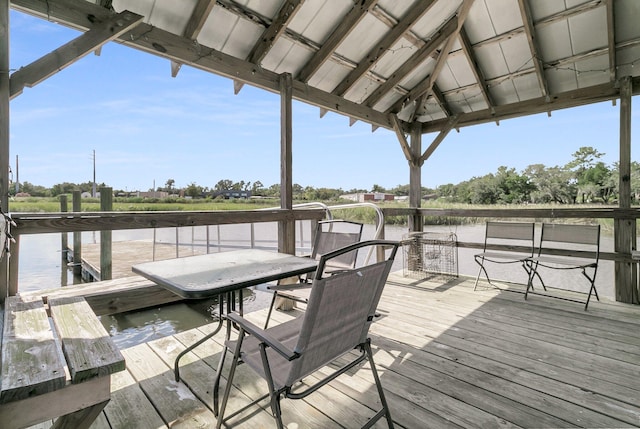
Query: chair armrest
pixel 263 336
pixel 295 286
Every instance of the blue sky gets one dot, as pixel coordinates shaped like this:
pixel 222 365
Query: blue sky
pixel 147 127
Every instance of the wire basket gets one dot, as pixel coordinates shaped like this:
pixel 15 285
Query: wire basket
pixel 430 255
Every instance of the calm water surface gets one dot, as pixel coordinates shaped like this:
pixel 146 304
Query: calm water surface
pixel 43 266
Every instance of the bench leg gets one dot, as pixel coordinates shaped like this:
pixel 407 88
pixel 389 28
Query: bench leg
pixel 68 401
pixel 80 419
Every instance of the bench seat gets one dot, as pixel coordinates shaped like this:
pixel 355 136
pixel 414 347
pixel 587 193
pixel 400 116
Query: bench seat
pixel 56 363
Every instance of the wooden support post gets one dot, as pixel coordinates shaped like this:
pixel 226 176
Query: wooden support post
pixel 626 281
pixel 286 228
pixel 415 177
pixel 64 243
pixel 106 265
pixel 77 236
pixel 4 136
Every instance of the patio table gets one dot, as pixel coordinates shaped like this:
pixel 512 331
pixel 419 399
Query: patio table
pixel 223 275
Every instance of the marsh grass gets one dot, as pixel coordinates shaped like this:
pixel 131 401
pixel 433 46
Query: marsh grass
pixel 359 214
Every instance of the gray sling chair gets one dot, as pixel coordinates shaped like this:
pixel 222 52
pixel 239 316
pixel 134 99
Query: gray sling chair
pixel 330 235
pixel 340 310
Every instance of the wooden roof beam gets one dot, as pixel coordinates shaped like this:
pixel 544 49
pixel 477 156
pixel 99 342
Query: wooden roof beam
pixel 475 68
pixel 277 27
pixel 443 34
pixel 439 96
pixel 336 37
pixel 191 31
pixel 527 22
pixel 611 42
pixel 451 123
pixel 579 97
pixel 164 44
pixel 371 59
pixel 100 32
pixel 448 36
pixel 574 11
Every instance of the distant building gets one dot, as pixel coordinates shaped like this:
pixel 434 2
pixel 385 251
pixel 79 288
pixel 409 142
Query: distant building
pixel 152 194
pixel 232 194
pixel 368 197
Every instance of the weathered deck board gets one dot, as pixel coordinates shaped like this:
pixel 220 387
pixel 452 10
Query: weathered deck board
pixel 448 357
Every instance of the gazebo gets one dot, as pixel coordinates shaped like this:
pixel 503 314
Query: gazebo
pixel 421 68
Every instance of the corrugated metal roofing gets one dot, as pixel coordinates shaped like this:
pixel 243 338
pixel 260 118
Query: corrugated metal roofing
pixel 431 61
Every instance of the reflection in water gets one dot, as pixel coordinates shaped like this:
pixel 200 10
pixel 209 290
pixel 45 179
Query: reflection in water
pixel 136 327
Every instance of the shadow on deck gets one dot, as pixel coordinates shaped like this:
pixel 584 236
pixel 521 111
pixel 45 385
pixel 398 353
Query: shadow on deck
pixel 448 356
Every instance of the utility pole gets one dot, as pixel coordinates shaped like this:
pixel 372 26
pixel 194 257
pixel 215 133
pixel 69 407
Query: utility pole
pixel 17 176
pixel 93 190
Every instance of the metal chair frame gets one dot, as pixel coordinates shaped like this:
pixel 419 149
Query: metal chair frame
pixel 582 241
pixel 517 235
pixel 286 353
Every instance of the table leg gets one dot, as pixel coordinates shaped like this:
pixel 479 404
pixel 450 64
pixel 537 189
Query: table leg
pixel 176 367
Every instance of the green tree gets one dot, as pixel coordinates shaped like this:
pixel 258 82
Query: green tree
pixel 169 185
pixel 193 190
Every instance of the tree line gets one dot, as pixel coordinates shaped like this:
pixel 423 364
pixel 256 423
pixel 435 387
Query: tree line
pixel 585 179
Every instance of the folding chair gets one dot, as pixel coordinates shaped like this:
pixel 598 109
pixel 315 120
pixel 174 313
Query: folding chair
pixel 513 234
pixel 580 240
pixel 329 235
pixel 340 310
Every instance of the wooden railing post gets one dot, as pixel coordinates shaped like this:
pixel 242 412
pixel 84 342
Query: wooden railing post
pixel 76 197
pixel 106 266
pixel 64 243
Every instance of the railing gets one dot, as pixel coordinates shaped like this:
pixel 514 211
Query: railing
pixel 624 225
pixel 36 223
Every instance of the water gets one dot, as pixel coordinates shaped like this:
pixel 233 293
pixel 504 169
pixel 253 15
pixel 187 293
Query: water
pixel 43 266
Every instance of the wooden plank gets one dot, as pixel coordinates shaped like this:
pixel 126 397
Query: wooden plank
pixel 113 296
pixel 96 221
pixel 558 381
pixel 176 404
pixel 61 402
pixel 129 407
pixel 87 346
pixel 32 363
pixel 197 371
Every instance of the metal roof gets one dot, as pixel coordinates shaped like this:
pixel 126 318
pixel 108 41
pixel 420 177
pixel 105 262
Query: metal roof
pixel 434 63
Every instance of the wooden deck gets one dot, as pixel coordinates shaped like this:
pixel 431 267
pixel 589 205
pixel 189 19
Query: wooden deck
pixel 449 356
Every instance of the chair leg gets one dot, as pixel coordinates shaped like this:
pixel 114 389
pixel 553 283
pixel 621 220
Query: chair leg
pixel 385 407
pixel 227 389
pixel 273 303
pixel 482 269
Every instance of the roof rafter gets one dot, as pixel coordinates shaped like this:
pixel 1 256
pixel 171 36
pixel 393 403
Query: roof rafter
pixel 355 15
pixel 475 68
pixel 191 31
pixel 611 40
pixel 565 14
pixel 527 22
pixel 371 59
pixel 443 34
pixel 99 33
pixel 162 43
pixel 425 86
pixel 274 30
pixel 579 97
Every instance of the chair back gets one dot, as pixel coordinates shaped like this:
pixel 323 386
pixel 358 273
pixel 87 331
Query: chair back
pixel 511 234
pixel 340 310
pixel 570 237
pixel 334 234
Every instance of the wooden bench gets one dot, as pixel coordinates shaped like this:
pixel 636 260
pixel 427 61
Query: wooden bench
pixel 56 363
pixel 566 247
